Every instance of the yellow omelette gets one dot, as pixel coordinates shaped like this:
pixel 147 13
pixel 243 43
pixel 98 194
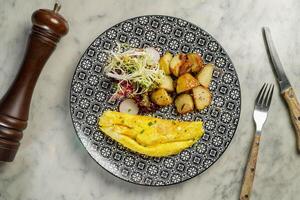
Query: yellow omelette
pixel 148 135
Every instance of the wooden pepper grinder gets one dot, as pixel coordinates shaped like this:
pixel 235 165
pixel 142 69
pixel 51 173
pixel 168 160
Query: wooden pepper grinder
pixel 48 27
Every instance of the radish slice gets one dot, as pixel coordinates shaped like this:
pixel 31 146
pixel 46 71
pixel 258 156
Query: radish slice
pixel 129 106
pixel 153 53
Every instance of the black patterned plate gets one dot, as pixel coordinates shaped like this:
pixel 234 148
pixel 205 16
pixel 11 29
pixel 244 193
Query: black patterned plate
pixel 91 90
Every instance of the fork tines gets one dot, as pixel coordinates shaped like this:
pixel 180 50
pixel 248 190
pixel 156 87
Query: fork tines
pixel 264 96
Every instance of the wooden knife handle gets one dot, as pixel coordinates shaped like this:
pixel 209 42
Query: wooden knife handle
pixel 250 169
pixel 48 27
pixel 294 107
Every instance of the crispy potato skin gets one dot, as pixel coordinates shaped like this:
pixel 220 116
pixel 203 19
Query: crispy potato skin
pixel 185 67
pixel 205 75
pixel 161 97
pixel 186 82
pixel 167 83
pixel 164 62
pixel 196 61
pixel 184 103
pixel 181 64
pixel 176 63
pixel 202 97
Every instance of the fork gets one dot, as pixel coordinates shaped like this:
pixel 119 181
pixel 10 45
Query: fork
pixel 262 105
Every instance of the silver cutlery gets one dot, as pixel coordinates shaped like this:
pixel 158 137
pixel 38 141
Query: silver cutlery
pixel 262 105
pixel 285 87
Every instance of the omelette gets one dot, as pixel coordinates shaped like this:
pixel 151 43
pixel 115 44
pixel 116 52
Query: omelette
pixel 148 135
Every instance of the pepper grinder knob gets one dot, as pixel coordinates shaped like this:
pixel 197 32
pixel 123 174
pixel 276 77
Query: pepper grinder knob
pixel 48 27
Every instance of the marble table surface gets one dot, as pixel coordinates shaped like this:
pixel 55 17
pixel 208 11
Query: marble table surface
pixel 52 164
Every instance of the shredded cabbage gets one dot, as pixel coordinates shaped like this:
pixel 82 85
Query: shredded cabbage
pixel 134 66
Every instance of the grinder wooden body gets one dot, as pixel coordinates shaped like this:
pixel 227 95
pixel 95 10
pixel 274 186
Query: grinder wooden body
pixel 48 27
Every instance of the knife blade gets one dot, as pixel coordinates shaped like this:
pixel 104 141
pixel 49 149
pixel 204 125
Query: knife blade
pixel 285 87
pixel 284 83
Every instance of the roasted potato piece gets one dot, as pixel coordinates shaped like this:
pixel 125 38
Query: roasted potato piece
pixel 167 83
pixel 196 62
pixel 186 82
pixel 176 62
pixel 204 77
pixel 184 103
pixel 202 97
pixel 161 97
pixel 185 67
pixel 164 62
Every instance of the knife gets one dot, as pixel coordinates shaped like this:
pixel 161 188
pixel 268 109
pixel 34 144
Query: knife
pixel 286 89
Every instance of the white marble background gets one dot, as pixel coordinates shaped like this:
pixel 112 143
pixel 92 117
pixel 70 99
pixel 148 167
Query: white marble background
pixel 52 164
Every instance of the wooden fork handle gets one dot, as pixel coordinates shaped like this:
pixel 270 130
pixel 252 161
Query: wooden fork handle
pixel 294 107
pixel 250 169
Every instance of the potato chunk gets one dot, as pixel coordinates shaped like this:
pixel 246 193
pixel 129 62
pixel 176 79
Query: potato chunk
pixel 185 67
pixel 205 75
pixel 167 83
pixel 186 82
pixel 196 62
pixel 184 103
pixel 161 97
pixel 176 63
pixel 164 62
pixel 202 97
